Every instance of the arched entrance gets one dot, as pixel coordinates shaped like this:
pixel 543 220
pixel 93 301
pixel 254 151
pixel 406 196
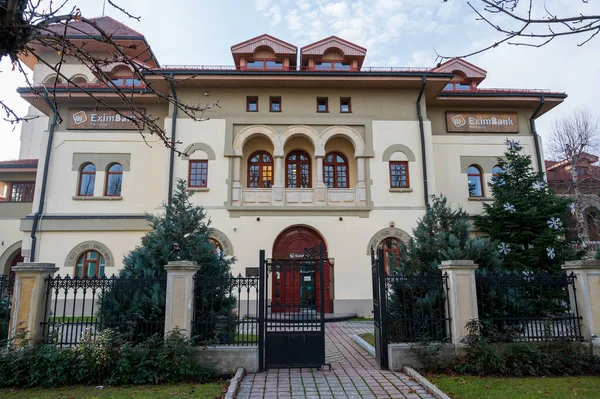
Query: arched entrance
pixel 289 290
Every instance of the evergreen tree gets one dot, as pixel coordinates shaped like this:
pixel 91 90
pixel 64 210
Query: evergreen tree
pixel 443 234
pixel 181 233
pixel 526 221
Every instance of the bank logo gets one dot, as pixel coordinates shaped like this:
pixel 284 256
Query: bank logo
pixel 79 117
pixel 459 120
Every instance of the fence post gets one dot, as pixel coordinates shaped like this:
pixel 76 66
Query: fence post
pixel 29 304
pixel 586 297
pixel 180 295
pixel 462 296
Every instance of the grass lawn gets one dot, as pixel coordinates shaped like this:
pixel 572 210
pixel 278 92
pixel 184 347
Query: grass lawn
pixel 204 391
pixel 469 387
pixel 369 337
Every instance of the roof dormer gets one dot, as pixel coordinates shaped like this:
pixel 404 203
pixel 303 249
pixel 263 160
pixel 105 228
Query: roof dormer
pixel 466 75
pixel 332 54
pixel 264 52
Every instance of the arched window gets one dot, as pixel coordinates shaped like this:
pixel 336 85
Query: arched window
pixel 496 170
pixel 391 253
pixel 260 170
pixel 216 246
pixel 475 178
pixel 335 170
pixel 297 166
pixel 87 179
pixel 90 264
pixel 114 180
pixel 79 79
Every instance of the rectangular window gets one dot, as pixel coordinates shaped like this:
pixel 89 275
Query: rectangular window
pixel 274 64
pixel 275 104
pixel 22 192
pixel 341 66
pixel 255 64
pixel 323 66
pixel 322 105
pixel 251 104
pixel 462 86
pixel 198 173
pixel 345 106
pixel 399 174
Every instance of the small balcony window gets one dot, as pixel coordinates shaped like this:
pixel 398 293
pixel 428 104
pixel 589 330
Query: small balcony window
pixel 22 192
pixel 332 66
pixel 264 64
pixel 275 104
pixel 322 104
pixel 252 104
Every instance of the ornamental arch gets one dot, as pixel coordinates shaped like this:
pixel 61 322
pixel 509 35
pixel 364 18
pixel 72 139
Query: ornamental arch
pixel 79 249
pixel 347 132
pixel 222 239
pixel 257 130
pixel 389 232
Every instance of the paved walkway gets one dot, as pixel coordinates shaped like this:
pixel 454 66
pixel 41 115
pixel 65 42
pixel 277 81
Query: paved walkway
pixel 354 374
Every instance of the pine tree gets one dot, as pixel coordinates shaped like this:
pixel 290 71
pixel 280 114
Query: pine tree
pixel 443 234
pixel 526 221
pixel 181 233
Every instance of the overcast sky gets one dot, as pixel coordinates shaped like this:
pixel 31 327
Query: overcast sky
pixel 395 33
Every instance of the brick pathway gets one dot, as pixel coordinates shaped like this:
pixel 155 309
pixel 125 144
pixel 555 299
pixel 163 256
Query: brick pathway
pixel 354 374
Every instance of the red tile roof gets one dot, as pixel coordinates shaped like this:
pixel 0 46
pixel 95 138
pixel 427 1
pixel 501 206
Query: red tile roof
pixel 107 24
pixel 20 161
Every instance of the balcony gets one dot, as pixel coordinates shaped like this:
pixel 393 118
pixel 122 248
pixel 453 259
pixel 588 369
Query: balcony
pixel 302 197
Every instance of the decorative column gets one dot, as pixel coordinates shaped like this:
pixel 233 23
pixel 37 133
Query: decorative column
pixel 180 295
pixel 361 187
pixel 320 188
pixel 236 192
pixel 586 297
pixel 462 296
pixel 278 184
pixel 29 305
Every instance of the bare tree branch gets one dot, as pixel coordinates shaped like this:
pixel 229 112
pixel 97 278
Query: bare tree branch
pixel 530 31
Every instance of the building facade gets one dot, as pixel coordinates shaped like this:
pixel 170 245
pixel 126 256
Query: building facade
pixel 307 146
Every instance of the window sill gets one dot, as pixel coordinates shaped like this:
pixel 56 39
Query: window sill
pixel 93 198
pixel 201 189
pixel 401 190
pixel 480 199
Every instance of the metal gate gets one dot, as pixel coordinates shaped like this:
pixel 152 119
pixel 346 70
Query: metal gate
pixel 380 308
pixel 292 327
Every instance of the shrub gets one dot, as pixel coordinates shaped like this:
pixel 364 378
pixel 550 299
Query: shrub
pixel 108 360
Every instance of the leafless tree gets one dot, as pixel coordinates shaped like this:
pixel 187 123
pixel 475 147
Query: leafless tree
pixel 533 23
pixel 571 139
pixel 26 26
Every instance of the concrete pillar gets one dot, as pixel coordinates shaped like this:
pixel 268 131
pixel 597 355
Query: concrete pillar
pixel 361 187
pixel 29 305
pixel 320 188
pixel 587 297
pixel 236 194
pixel 462 295
pixel 180 295
pixel 278 174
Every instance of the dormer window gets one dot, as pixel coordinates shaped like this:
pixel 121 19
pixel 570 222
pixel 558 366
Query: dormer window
pixel 122 76
pixel 264 64
pixel 332 66
pixel 458 86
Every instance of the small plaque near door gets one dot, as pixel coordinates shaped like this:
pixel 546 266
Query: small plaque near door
pixel 307 278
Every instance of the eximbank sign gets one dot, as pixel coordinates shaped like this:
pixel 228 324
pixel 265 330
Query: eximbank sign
pixel 482 122
pixel 101 119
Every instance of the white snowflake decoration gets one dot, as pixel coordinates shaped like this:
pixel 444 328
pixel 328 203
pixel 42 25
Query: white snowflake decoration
pixel 550 252
pixel 504 248
pixel 554 223
pixel 513 145
pixel 508 169
pixel 572 206
pixel 509 207
pixel 538 185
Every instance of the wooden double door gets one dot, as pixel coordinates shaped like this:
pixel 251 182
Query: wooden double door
pixel 294 289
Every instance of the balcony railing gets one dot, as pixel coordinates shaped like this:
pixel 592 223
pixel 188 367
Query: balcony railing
pixel 302 197
pixel 292 68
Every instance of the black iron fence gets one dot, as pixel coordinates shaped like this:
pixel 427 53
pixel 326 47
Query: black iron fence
pixel 83 307
pixel 528 307
pixel 6 291
pixel 226 310
pixel 417 308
